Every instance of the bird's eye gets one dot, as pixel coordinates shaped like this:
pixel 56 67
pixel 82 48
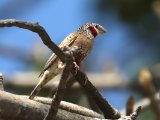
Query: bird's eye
pixel 96 26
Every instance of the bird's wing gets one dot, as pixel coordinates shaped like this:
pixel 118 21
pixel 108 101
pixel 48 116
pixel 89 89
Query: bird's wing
pixel 68 41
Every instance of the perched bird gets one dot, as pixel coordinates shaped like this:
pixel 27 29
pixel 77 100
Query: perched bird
pixel 83 39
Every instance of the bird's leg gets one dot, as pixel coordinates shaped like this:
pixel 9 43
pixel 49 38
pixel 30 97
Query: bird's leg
pixel 73 51
pixel 76 67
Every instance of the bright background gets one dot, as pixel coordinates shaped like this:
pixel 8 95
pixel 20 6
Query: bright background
pixel 132 41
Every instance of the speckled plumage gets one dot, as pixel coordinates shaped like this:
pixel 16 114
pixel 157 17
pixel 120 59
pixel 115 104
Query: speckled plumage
pixel 83 38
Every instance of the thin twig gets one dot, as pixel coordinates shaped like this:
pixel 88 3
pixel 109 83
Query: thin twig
pixel 1 82
pixel 102 103
pixel 35 27
pixel 130 105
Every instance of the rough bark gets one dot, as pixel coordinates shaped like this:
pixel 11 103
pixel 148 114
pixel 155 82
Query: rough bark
pixel 15 107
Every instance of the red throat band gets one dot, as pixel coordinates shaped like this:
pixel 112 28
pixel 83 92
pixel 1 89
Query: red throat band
pixel 93 31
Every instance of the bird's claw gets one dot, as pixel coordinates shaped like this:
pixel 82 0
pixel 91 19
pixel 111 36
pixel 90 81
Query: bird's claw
pixel 76 67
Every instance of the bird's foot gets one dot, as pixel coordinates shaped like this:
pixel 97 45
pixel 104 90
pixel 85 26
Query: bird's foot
pixel 76 67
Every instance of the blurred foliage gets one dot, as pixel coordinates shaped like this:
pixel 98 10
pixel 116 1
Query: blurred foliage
pixel 134 10
pixel 146 114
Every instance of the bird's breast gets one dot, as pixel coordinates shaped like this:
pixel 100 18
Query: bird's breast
pixel 85 45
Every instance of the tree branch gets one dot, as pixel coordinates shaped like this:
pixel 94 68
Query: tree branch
pixel 105 107
pixel 69 107
pixel 17 107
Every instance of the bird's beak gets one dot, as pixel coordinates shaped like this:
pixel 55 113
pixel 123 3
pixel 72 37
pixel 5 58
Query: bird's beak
pixel 103 30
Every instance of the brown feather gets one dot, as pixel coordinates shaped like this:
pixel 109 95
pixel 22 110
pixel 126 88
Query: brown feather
pixel 68 41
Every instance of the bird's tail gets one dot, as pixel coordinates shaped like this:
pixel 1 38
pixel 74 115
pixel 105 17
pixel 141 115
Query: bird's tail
pixel 43 80
pixel 35 91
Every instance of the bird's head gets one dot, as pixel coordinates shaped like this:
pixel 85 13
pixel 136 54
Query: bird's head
pixel 94 28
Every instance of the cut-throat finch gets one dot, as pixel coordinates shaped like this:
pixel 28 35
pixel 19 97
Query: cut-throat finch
pixel 83 39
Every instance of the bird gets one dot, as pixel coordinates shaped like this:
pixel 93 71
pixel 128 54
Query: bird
pixel 83 39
